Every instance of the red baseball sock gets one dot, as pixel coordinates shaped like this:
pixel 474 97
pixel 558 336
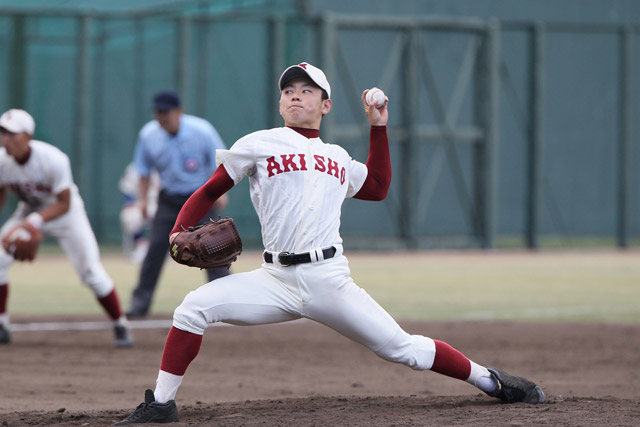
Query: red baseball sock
pixel 111 305
pixel 450 362
pixel 4 296
pixel 180 349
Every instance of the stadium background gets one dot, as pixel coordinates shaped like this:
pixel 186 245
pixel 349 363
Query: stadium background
pixel 513 123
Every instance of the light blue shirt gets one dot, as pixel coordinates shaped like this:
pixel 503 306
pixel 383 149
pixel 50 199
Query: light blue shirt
pixel 184 161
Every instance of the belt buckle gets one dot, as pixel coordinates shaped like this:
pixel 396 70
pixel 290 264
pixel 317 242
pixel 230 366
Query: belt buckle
pixel 286 263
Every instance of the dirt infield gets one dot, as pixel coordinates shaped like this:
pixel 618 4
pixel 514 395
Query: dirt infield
pixel 303 374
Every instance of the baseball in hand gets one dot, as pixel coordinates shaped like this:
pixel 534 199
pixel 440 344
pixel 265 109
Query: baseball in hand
pixel 20 234
pixel 375 96
pixel 16 236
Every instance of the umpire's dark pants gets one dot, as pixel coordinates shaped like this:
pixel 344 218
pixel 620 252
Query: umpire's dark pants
pixel 168 208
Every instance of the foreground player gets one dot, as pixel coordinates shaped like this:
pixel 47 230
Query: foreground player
pixel 40 175
pixel 298 184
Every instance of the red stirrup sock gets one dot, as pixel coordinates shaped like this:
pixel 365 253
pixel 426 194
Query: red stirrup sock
pixel 180 349
pixel 450 362
pixel 4 296
pixel 111 305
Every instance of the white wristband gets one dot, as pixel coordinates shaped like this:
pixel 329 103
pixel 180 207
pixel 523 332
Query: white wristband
pixel 35 219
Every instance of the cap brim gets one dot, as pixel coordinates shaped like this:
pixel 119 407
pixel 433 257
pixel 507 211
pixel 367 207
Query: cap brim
pixel 9 128
pixel 291 74
pixel 164 107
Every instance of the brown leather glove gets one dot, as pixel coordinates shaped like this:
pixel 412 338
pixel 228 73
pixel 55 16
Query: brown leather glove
pixel 22 242
pixel 215 244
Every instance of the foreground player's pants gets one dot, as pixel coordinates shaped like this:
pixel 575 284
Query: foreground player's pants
pixel 322 291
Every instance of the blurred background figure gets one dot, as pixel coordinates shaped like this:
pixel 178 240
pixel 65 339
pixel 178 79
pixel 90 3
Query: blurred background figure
pixel 135 227
pixel 181 149
pixel 49 205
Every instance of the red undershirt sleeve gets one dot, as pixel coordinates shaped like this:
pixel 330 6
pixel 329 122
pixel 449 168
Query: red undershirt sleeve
pixel 200 202
pixel 378 179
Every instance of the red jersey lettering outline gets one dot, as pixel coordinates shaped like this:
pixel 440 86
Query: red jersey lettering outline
pixel 332 167
pixel 287 161
pixel 319 163
pixel 273 166
pixel 288 164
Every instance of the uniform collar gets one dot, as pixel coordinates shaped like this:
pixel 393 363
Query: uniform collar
pixel 307 133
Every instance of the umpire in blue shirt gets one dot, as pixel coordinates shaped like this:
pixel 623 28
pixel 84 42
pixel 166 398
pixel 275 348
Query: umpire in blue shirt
pixel 182 148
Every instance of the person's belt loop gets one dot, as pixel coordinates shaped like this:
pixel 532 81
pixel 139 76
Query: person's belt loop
pixel 338 250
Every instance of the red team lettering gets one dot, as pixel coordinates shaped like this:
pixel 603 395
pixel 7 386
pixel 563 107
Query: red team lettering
pixel 28 187
pixel 287 160
pixel 273 167
pixel 288 164
pixel 319 163
pixel 333 168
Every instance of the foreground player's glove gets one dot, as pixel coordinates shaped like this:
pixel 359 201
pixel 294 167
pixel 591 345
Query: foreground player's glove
pixel 215 244
pixel 22 242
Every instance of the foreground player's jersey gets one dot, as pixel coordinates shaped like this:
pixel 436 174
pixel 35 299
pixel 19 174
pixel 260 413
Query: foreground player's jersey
pixel 298 185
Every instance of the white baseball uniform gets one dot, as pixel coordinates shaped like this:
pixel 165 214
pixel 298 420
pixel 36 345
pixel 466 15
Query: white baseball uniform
pixel 298 184
pixel 297 187
pixel 36 183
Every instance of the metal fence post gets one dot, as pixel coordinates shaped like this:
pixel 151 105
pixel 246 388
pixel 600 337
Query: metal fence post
pixel 83 77
pixel 97 131
pixel 182 72
pixel 534 157
pixel 625 139
pixel 492 136
pixel 277 47
pixel 327 42
pixel 141 109
pixel 17 70
pixel 408 175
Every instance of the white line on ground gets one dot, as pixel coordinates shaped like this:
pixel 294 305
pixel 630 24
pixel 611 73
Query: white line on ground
pixel 88 326
pixel 92 326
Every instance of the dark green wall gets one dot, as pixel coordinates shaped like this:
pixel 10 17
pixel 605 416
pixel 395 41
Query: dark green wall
pixel 230 70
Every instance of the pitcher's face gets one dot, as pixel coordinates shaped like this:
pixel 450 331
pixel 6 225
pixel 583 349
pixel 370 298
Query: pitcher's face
pixel 301 104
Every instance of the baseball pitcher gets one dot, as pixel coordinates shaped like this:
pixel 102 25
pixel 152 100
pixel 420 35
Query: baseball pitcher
pixel 298 184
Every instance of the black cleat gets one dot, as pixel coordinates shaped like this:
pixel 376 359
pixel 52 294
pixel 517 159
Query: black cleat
pixel 5 334
pixel 513 389
pixel 152 412
pixel 123 336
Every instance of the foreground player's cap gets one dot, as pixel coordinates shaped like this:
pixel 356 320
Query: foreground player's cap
pixel 17 121
pixel 166 101
pixel 304 69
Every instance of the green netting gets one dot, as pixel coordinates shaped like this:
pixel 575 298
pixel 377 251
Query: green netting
pixel 120 6
pixel 87 78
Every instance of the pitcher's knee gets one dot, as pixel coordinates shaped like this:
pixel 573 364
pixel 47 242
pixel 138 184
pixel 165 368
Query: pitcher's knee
pixel 415 351
pixel 189 317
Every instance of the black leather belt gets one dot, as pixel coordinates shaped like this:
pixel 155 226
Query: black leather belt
pixel 287 258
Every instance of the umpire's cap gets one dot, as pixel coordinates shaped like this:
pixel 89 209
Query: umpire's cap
pixel 166 100
pixel 304 69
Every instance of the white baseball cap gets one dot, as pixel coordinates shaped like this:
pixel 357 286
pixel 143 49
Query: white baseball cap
pixel 17 121
pixel 304 69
